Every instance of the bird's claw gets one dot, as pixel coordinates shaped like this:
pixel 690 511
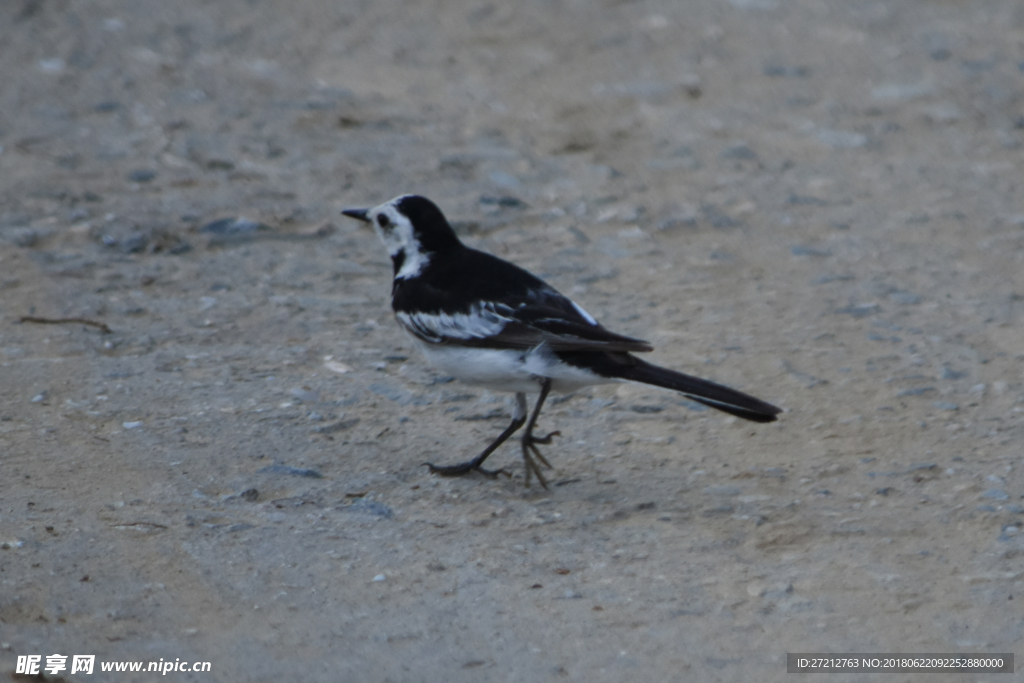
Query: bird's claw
pixel 544 440
pixel 463 469
pixel 529 447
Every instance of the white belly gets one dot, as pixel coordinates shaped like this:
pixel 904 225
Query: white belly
pixel 503 370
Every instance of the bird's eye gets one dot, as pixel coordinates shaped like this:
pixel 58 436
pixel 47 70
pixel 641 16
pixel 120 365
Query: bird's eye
pixel 383 221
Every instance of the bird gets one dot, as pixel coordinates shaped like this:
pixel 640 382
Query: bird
pixel 490 323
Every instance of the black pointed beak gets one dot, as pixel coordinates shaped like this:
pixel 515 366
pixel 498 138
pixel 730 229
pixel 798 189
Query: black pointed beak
pixel 359 214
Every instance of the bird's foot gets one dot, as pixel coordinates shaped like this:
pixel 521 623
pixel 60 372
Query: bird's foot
pixel 530 451
pixel 463 469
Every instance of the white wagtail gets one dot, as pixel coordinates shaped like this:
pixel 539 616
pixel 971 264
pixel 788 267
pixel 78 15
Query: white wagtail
pixel 490 323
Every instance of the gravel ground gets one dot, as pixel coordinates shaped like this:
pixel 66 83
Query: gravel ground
pixel 816 201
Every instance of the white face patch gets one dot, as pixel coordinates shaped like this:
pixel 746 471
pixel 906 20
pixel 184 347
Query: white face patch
pixel 395 231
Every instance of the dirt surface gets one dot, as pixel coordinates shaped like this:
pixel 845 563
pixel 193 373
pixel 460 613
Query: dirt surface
pixel 816 201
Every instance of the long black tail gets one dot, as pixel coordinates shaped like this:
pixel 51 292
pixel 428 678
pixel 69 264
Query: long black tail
pixel 628 366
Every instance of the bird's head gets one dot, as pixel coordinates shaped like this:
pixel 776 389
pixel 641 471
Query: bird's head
pixel 412 228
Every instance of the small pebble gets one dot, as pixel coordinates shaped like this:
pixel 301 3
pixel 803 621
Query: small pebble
pixel 133 243
pixel 304 395
pixel 370 507
pixel 859 310
pixel 53 65
pixel 905 298
pixel 219 165
pixel 779 71
pixel 505 180
pixel 142 175
pixel 723 490
pixel 21 237
pixel 804 250
pixel 901 91
pixel 232 226
pixel 830 278
pixel 945 405
pixel 380 577
pixel 741 152
pixel 131 425
pixel 338 367
pixel 914 392
pixel 841 139
pixel 944 112
pixel 806 200
pixel 287 469
pixel 996 494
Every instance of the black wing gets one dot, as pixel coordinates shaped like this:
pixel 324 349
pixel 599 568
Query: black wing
pixel 480 300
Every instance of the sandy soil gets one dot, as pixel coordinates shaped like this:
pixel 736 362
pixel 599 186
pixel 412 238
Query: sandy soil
pixel 817 201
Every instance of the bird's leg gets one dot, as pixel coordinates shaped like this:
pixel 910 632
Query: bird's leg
pixel 529 440
pixel 518 420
